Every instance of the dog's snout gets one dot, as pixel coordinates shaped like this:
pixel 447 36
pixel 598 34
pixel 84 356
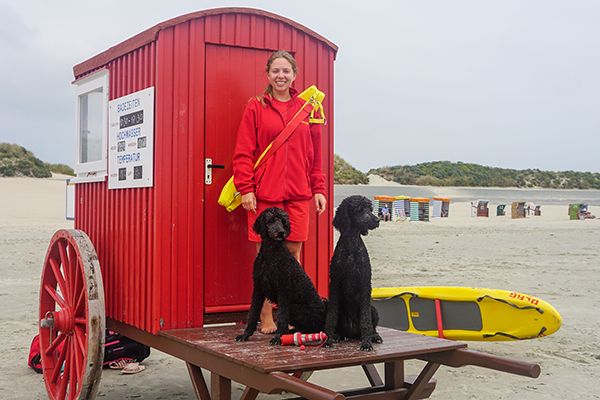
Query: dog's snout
pixel 374 221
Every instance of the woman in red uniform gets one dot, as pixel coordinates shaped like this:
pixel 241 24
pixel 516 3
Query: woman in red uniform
pixel 291 178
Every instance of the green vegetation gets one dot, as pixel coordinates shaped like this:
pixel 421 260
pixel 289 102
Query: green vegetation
pixel 16 160
pixel 346 174
pixel 446 173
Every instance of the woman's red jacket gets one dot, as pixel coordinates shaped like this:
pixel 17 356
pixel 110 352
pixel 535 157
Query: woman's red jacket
pixel 294 171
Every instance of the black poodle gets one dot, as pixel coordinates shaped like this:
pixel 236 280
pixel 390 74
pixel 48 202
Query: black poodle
pixel 280 278
pixel 349 310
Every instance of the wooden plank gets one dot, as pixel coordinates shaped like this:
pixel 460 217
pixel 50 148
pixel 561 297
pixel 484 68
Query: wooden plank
pixel 198 382
pixel 249 393
pixel 305 389
pixel 220 387
pixel 422 381
pixel 372 374
pixel 394 374
pixel 383 393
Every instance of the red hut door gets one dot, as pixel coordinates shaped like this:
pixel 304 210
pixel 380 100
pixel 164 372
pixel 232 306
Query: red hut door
pixel 233 76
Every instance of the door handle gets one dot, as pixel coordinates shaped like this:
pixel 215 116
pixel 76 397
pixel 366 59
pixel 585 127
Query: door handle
pixel 208 167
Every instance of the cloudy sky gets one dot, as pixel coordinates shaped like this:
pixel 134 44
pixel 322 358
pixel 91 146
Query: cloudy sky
pixel 506 83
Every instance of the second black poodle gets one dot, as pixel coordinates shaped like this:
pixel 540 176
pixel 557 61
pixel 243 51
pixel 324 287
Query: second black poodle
pixel 280 278
pixel 349 310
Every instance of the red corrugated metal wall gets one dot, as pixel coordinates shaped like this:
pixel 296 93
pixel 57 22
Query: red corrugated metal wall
pixel 150 241
pixel 120 222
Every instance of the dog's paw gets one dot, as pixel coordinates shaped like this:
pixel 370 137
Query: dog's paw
pixel 376 338
pixel 328 343
pixel 275 340
pixel 243 337
pixel 365 345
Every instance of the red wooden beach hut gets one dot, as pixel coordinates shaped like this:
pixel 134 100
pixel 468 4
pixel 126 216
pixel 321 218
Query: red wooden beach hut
pixel 170 256
pixel 153 252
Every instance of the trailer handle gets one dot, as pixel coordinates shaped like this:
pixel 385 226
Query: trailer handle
pixel 461 357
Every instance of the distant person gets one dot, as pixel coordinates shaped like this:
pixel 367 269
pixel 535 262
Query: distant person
pixel 385 213
pixel 292 179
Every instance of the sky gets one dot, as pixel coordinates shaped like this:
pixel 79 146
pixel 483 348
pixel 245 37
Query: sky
pixel 506 83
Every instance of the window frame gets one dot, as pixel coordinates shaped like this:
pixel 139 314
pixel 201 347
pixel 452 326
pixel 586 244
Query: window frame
pixel 92 171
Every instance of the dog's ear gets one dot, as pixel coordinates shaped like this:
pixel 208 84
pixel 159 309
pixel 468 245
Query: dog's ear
pixel 341 220
pixel 260 224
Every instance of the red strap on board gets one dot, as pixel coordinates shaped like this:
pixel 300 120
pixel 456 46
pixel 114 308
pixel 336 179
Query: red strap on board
pixel 438 317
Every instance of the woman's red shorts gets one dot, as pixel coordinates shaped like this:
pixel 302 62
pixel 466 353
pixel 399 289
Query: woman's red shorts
pixel 298 210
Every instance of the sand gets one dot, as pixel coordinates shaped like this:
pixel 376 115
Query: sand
pixel 376 180
pixel 549 257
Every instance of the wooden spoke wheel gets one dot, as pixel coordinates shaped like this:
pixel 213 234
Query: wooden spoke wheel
pixel 71 317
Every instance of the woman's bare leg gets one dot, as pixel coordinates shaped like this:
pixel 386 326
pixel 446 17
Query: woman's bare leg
pixel 267 324
pixel 294 248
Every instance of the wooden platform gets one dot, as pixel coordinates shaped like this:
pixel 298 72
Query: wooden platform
pixel 273 369
pixel 258 354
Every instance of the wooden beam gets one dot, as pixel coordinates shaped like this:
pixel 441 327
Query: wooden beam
pixel 198 382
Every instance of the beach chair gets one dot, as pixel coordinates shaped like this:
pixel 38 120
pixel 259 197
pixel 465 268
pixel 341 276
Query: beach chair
pixel 518 209
pixel 574 211
pixel 584 213
pixel 482 208
pixel 500 210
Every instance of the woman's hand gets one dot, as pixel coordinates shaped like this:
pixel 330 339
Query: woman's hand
pixel 320 203
pixel 249 202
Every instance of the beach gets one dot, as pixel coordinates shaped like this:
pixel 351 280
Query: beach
pixel 547 256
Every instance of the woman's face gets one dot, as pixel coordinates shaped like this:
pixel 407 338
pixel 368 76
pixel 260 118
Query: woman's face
pixel 281 76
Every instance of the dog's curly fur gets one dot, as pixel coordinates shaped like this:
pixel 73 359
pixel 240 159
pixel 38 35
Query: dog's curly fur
pixel 349 310
pixel 280 278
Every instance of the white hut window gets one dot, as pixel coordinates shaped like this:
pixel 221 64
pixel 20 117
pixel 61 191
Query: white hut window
pixel 92 127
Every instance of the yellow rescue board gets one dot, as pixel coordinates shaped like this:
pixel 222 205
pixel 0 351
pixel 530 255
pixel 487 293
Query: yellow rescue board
pixel 464 313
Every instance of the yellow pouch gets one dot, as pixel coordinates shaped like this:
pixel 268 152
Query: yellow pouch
pixel 230 198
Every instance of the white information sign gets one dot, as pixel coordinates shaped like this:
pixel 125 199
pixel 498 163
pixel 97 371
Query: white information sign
pixel 131 140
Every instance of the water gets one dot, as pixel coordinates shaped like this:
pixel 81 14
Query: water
pixel 460 194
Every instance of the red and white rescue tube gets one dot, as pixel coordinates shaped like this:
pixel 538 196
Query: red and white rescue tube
pixel 303 339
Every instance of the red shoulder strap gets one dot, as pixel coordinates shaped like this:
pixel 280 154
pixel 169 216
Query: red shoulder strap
pixel 286 132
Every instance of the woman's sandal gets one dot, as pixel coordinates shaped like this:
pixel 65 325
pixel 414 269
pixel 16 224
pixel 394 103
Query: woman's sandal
pixel 133 368
pixel 120 363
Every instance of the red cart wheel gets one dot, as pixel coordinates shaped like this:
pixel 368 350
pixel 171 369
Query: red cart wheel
pixel 72 318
